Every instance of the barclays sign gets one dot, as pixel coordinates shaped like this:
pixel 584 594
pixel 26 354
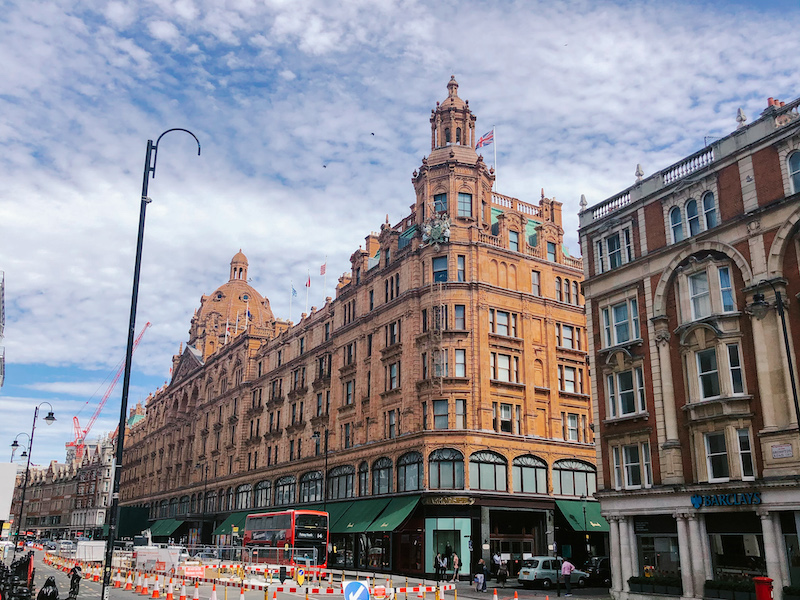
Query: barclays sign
pixel 732 499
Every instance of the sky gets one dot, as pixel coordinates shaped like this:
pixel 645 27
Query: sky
pixel 285 96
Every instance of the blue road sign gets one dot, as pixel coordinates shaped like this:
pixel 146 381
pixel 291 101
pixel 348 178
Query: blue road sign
pixel 356 590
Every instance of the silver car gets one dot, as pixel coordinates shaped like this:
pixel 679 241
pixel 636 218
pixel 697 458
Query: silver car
pixel 545 571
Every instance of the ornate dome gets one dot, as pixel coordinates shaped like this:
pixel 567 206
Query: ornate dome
pixel 229 311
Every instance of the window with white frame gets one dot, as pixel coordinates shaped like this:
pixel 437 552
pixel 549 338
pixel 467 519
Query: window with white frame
pixel 676 224
pixel 504 367
pixel 536 286
pixel 726 289
pixel 568 336
pixel 614 250
pixel 513 241
pixel 794 171
pixel 621 322
pixel 716 456
pixel 709 210
pixel 461 363
pixel 708 373
pixel 502 322
pixel 700 295
pixel 707 290
pixel 461 413
pixel 632 468
pixel 626 393
pixel 567 379
pixel 692 217
pixel 460 316
pixel 572 428
pixel 745 454
pixel 735 366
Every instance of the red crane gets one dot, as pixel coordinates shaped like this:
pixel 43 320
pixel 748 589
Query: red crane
pixel 82 434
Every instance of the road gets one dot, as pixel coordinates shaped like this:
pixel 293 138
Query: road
pixel 91 590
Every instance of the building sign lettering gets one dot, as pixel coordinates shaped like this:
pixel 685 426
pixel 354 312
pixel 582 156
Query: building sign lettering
pixel 733 499
pixel 782 451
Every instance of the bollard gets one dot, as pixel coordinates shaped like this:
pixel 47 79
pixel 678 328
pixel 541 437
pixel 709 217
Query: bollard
pixel 406 588
pixel 763 588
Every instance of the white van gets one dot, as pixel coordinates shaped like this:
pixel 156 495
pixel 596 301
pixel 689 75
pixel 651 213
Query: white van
pixel 66 548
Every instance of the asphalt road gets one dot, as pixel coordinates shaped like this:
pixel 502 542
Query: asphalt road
pixel 92 590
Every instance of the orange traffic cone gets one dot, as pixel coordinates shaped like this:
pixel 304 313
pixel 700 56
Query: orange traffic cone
pixel 241 593
pixel 138 588
pixel 145 591
pixel 156 589
pixel 213 592
pixel 170 591
pixel 196 591
pixel 183 590
pixel 274 595
pixel 494 596
pixel 96 575
pixel 117 580
pixel 515 595
pixel 129 582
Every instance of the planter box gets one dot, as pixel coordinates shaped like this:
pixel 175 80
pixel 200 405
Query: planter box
pixel 737 595
pixel 673 591
pixel 726 594
pixel 711 593
pixel 647 588
pixel 635 587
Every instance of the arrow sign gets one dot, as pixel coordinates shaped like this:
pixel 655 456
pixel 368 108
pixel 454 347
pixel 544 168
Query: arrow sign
pixel 356 590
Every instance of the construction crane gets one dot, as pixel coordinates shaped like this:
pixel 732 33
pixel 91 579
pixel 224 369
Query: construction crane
pixel 82 434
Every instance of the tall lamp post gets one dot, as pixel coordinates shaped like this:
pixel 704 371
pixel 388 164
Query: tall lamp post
pixel 316 435
pixel 15 445
pixel 150 158
pixel 49 419
pixel 759 309
pixel 203 505
pixel 585 531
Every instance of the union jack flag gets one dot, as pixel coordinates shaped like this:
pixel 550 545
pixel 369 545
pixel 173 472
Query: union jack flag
pixel 485 139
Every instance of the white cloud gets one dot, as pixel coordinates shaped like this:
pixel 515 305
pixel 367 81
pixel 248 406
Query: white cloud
pixel 163 30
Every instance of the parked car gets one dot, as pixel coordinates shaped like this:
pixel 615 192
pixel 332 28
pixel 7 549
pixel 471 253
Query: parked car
pixel 599 570
pixel 545 571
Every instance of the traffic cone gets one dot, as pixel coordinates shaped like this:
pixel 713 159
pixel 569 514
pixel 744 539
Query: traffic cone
pixel 145 591
pixel 129 582
pixel 157 590
pixel 274 595
pixel 213 592
pixel 96 574
pixel 196 590
pixel 138 588
pixel 183 590
pixel 241 593
pixel 494 596
pixel 170 591
pixel 515 595
pixel 117 580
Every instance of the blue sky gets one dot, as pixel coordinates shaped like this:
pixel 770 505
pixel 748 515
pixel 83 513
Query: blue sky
pixel 285 96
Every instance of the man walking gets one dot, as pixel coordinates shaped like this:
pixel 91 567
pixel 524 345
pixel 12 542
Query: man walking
pixel 566 572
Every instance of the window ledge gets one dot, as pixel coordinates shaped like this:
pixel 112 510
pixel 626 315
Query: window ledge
pixel 719 407
pixel 642 416
pixel 511 384
pixel 576 395
pixel 623 346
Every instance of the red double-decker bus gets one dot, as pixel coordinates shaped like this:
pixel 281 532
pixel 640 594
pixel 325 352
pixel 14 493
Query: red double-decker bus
pixel 288 537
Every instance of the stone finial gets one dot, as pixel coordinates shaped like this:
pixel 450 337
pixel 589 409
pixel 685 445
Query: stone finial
pixel 542 193
pixel 639 173
pixel 741 118
pixel 583 203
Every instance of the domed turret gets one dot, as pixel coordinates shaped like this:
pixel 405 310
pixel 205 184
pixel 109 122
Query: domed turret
pixel 452 122
pixel 239 266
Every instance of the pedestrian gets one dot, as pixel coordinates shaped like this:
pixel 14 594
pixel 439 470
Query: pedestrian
pixel 566 572
pixel 442 567
pixel 496 563
pixel 75 576
pixel 480 576
pixel 456 567
pixel 49 591
pixel 437 565
pixel 502 573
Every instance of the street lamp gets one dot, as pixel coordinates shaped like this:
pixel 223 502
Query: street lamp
pixel 150 158
pixel 15 445
pixel 759 309
pixel 585 531
pixel 316 436
pixel 49 419
pixel 203 505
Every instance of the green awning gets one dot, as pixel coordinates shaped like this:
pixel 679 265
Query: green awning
pixel 360 515
pixel 335 511
pixel 394 514
pixel 573 513
pixel 233 520
pixel 164 527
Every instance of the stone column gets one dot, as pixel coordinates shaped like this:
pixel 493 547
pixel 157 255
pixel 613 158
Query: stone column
pixel 783 559
pixel 634 554
pixel 771 554
pixel 696 551
pixel 672 469
pixel 616 556
pixel 684 553
pixel 709 568
pixel 625 551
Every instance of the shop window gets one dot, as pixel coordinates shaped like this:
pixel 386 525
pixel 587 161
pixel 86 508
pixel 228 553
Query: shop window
pixel 285 489
pixel 440 414
pixel 446 469
pixel 487 471
pixel 382 476
pixel 632 467
pixel 621 323
pixel 341 482
pixel 464 205
pixel 244 496
pixel 363 479
pixel 716 457
pixel 409 472
pixel 529 475
pixel 440 268
pixel 574 478
pixel 794 171
pixel 626 392
pixel 311 487
pixel 262 494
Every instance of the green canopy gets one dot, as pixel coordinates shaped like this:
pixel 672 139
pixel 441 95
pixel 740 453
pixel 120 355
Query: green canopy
pixel 234 520
pixel 164 527
pixel 573 513
pixel 394 514
pixel 360 515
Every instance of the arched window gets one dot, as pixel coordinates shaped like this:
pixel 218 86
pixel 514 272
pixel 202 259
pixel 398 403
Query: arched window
pixel 529 474
pixel 163 509
pixel 692 217
pixel 709 210
pixel 263 493
pixel 676 224
pixel 363 479
pixel 173 508
pixel 409 472
pixel 487 471
pixel 447 135
pixel 575 293
pixel 285 490
pixel 244 496
pixel 794 171
pixel 341 482
pixel 567 294
pixel 211 502
pixel 221 501
pixel 574 478
pixel 446 469
pixel 382 476
pixel 311 487
pixel 229 499
pixel 559 293
pixel 458 135
pixel 193 505
pixel 183 507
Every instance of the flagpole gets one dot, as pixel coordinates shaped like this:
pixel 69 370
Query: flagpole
pixel 494 143
pixel 325 280
pixel 227 328
pixel 308 287
pixel 247 315
pixel 291 293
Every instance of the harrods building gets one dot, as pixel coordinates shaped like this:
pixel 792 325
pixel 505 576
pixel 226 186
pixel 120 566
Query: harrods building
pixel 691 289
pixel 447 381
